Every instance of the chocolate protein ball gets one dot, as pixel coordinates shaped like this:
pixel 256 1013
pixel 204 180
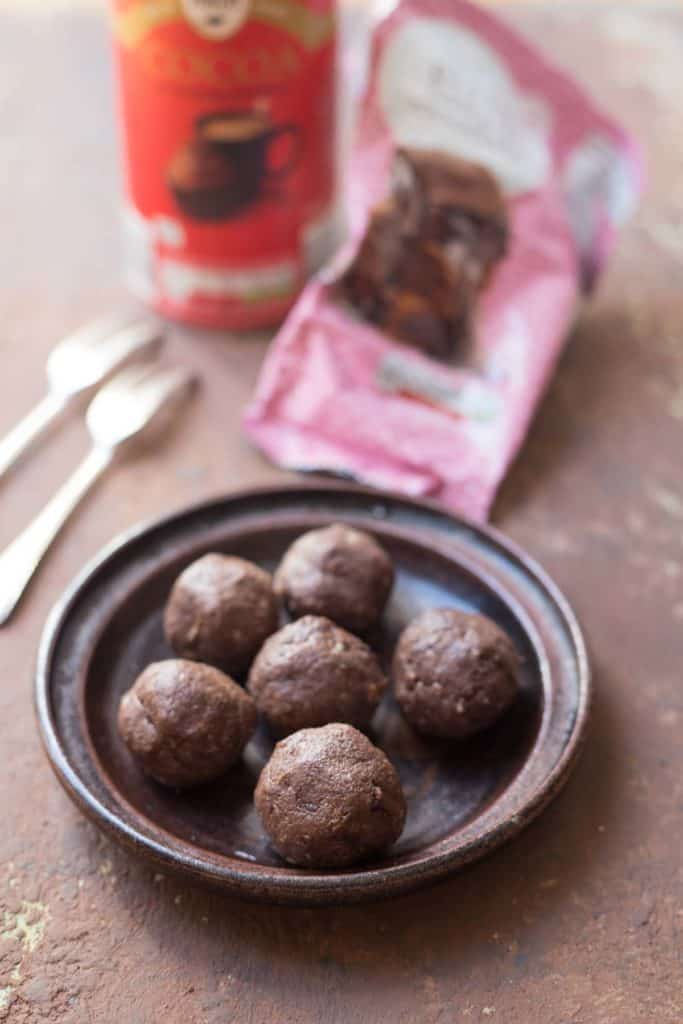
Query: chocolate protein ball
pixel 329 798
pixel 313 672
pixel 339 572
pixel 454 673
pixel 220 611
pixel 185 723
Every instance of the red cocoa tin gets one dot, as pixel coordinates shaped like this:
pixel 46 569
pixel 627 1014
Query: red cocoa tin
pixel 228 115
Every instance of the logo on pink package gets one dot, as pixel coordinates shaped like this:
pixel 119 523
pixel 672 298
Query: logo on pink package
pixel 484 194
pixel 441 87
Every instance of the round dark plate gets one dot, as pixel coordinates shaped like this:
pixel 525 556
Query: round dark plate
pixel 463 798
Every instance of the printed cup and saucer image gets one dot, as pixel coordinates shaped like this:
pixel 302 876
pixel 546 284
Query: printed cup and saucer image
pixel 233 161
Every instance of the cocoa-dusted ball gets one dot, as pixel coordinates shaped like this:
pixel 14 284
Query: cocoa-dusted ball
pixel 312 672
pixel 185 723
pixel 454 672
pixel 220 611
pixel 339 572
pixel 329 798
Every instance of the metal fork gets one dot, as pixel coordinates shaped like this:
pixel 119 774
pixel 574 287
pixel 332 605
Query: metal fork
pixel 76 366
pixel 121 411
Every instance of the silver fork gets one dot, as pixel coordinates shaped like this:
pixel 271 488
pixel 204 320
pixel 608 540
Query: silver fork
pixel 76 366
pixel 122 410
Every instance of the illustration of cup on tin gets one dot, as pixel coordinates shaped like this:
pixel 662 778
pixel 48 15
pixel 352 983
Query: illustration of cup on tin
pixel 229 164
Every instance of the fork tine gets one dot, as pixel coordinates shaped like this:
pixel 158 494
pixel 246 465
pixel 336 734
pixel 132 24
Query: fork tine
pixel 128 379
pixel 165 382
pixel 156 383
pixel 133 398
pixel 142 378
pixel 140 340
pixel 98 330
pixel 159 386
pixel 135 335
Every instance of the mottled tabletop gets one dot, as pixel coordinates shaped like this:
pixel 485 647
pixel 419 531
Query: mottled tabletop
pixel 580 919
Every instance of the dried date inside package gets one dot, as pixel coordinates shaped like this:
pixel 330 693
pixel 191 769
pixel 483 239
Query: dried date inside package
pixel 484 192
pixel 428 251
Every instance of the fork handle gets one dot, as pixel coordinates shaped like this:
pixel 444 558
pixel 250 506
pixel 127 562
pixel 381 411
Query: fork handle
pixel 27 430
pixel 19 561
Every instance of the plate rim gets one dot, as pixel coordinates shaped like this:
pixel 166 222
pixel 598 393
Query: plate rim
pixel 308 888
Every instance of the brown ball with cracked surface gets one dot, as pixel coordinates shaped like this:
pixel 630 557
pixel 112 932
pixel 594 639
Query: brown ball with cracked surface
pixel 328 798
pixel 454 673
pixel 339 572
pixel 185 723
pixel 220 611
pixel 311 673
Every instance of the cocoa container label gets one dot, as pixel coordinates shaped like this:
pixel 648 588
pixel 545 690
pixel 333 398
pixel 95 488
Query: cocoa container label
pixel 228 112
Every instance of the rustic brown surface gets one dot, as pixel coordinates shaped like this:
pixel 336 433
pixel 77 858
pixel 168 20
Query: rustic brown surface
pixel 579 921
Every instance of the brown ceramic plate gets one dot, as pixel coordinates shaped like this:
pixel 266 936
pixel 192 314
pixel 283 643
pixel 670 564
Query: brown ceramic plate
pixel 464 799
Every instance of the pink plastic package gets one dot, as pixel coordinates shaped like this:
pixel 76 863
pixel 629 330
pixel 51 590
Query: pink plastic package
pixel 484 191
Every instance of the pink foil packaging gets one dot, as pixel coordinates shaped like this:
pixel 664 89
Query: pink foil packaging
pixel 338 394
